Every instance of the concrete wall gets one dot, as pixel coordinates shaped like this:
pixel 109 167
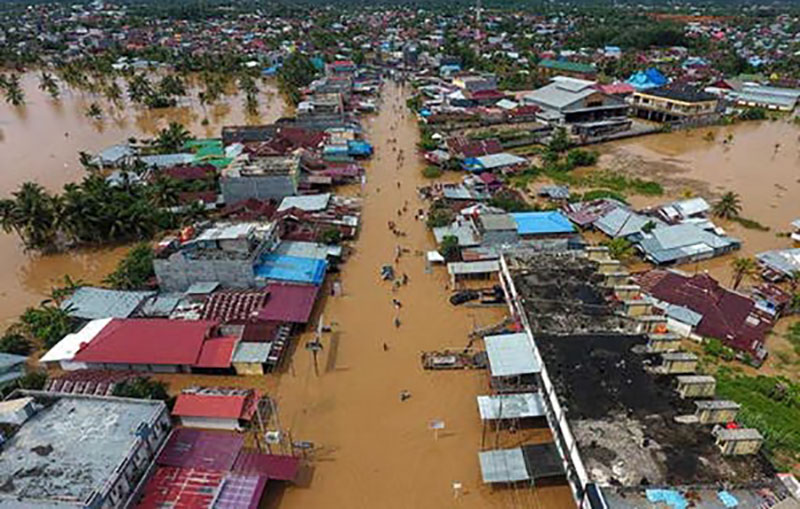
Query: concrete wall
pixel 236 189
pixel 716 416
pixel 210 423
pixel 176 273
pixel 705 390
pixel 248 368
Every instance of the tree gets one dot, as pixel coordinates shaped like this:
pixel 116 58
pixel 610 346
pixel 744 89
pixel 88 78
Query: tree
pixel 620 249
pixel 47 323
pixel 742 267
pixel 172 138
pixel 296 72
pixel 12 87
pixel 559 141
pixel 141 388
pixel 331 236
pixel 134 271
pixel 15 343
pixel 33 380
pixel 728 207
pixel 449 248
pixel 113 92
pixel 47 83
pixel 94 111
pixel 580 157
pixel 34 215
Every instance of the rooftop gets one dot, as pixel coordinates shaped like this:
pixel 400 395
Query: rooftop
pixel 67 451
pixel 90 303
pixel 271 166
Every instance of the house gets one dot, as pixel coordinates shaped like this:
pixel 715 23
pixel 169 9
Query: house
pixel 502 161
pixel 148 344
pixel 548 67
pixel 570 100
pixel 90 303
pixel 262 178
pixel 780 263
pixel 710 311
pixel 770 98
pixel 621 222
pixel 223 253
pixel 676 102
pixel 683 243
pixel 216 407
pixel 497 229
pixel 647 79
pixel 692 208
pixel 540 225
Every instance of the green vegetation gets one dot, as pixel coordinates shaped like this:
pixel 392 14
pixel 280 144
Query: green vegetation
pixel 579 157
pixel 331 236
pixel 510 201
pixel 33 380
pixel 620 249
pixel 439 216
pixel 11 87
pixel 134 271
pixel 793 336
pixel 172 138
pixel 715 348
pixel 449 248
pixel 142 388
pixel 750 224
pixel 431 172
pixel 728 207
pixel 426 141
pixel 606 179
pixel 753 114
pixel 15 343
pixel 743 267
pixel 769 404
pixel 597 194
pixel 47 323
pixel 296 72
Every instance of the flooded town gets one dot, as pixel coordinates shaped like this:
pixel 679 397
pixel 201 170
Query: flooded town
pixel 288 256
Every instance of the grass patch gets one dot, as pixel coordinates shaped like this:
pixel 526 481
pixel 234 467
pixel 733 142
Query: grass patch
pixel 609 180
pixel 750 224
pixel 597 194
pixel 793 337
pixel 769 404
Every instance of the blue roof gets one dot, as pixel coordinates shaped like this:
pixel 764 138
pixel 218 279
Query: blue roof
pixel 651 78
pixel 291 268
pixel 359 148
pixel 542 223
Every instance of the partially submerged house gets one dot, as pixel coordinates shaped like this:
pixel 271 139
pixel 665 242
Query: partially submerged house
pixel 675 102
pixel 684 243
pixel 569 100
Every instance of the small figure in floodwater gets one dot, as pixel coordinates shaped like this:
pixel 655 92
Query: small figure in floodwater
pixel 397 304
pixel 396 323
pixel 404 395
pixel 777 147
pixel 385 347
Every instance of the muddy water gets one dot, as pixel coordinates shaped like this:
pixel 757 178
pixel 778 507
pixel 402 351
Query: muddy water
pixel 376 451
pixel 700 162
pixel 41 140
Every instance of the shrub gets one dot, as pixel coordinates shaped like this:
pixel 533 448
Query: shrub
pixel 439 217
pixel 15 343
pixel 753 114
pixel 33 380
pixel 142 388
pixel 431 172
pixel 330 236
pixel 134 271
pixel 580 157
pixel 449 248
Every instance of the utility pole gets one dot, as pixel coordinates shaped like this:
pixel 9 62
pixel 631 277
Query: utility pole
pixel 315 346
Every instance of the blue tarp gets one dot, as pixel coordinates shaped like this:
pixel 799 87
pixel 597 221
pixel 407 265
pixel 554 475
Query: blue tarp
pixel 727 499
pixel 672 498
pixel 291 268
pixel 359 148
pixel 335 150
pixel 651 78
pixel 425 113
pixel 542 223
pixel 271 71
pixel 472 164
pixel 318 63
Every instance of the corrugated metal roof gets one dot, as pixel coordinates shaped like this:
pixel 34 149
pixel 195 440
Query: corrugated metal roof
pixel 193 448
pixel 219 406
pixel 309 203
pixel 533 223
pixel 503 159
pixel 91 303
pixel 480 267
pixel 511 355
pixel 216 352
pixel 291 268
pixel 503 465
pixel 252 352
pixel 274 466
pixel 511 406
pixel 289 303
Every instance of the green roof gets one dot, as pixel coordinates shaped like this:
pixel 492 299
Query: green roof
pixel 559 65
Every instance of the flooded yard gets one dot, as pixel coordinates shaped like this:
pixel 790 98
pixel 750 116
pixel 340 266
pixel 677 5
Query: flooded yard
pixel 41 141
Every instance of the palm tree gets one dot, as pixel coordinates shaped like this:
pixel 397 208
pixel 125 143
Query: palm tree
pixel 94 111
pixel 139 88
pixel 33 215
pixel 251 104
pixel 742 267
pixel 729 206
pixel 47 83
pixel 164 192
pixel 620 249
pixel 113 92
pixel 15 95
pixel 172 138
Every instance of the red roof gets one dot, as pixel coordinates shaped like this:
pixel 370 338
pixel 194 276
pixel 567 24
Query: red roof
pixel 191 172
pixel 486 94
pixel 616 88
pixel 466 148
pixel 289 303
pixel 147 341
pixel 194 448
pixel 234 305
pixel 216 352
pixel 217 404
pixel 274 466
pixel 727 315
pixel 181 488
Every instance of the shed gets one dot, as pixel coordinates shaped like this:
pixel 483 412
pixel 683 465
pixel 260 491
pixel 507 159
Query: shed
pixel 678 362
pixel 738 441
pixel 250 358
pixel 525 405
pixel 503 466
pixel 511 355
pixel 216 407
pixel 716 411
pixel 696 386
pixel 542 224
pixel 480 270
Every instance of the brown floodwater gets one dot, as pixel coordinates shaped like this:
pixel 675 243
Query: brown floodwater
pixel 372 449
pixel 760 161
pixel 40 142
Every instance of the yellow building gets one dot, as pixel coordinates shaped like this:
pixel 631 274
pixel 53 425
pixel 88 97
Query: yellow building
pixel 673 103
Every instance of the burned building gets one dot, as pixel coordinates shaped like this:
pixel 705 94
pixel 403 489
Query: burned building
pixel 622 429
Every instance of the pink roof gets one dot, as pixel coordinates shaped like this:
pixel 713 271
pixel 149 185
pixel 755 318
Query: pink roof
pixel 216 352
pixel 616 88
pixel 194 448
pixel 488 178
pixel 274 466
pixel 222 406
pixel 147 341
pixel 289 303
pixel 185 488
